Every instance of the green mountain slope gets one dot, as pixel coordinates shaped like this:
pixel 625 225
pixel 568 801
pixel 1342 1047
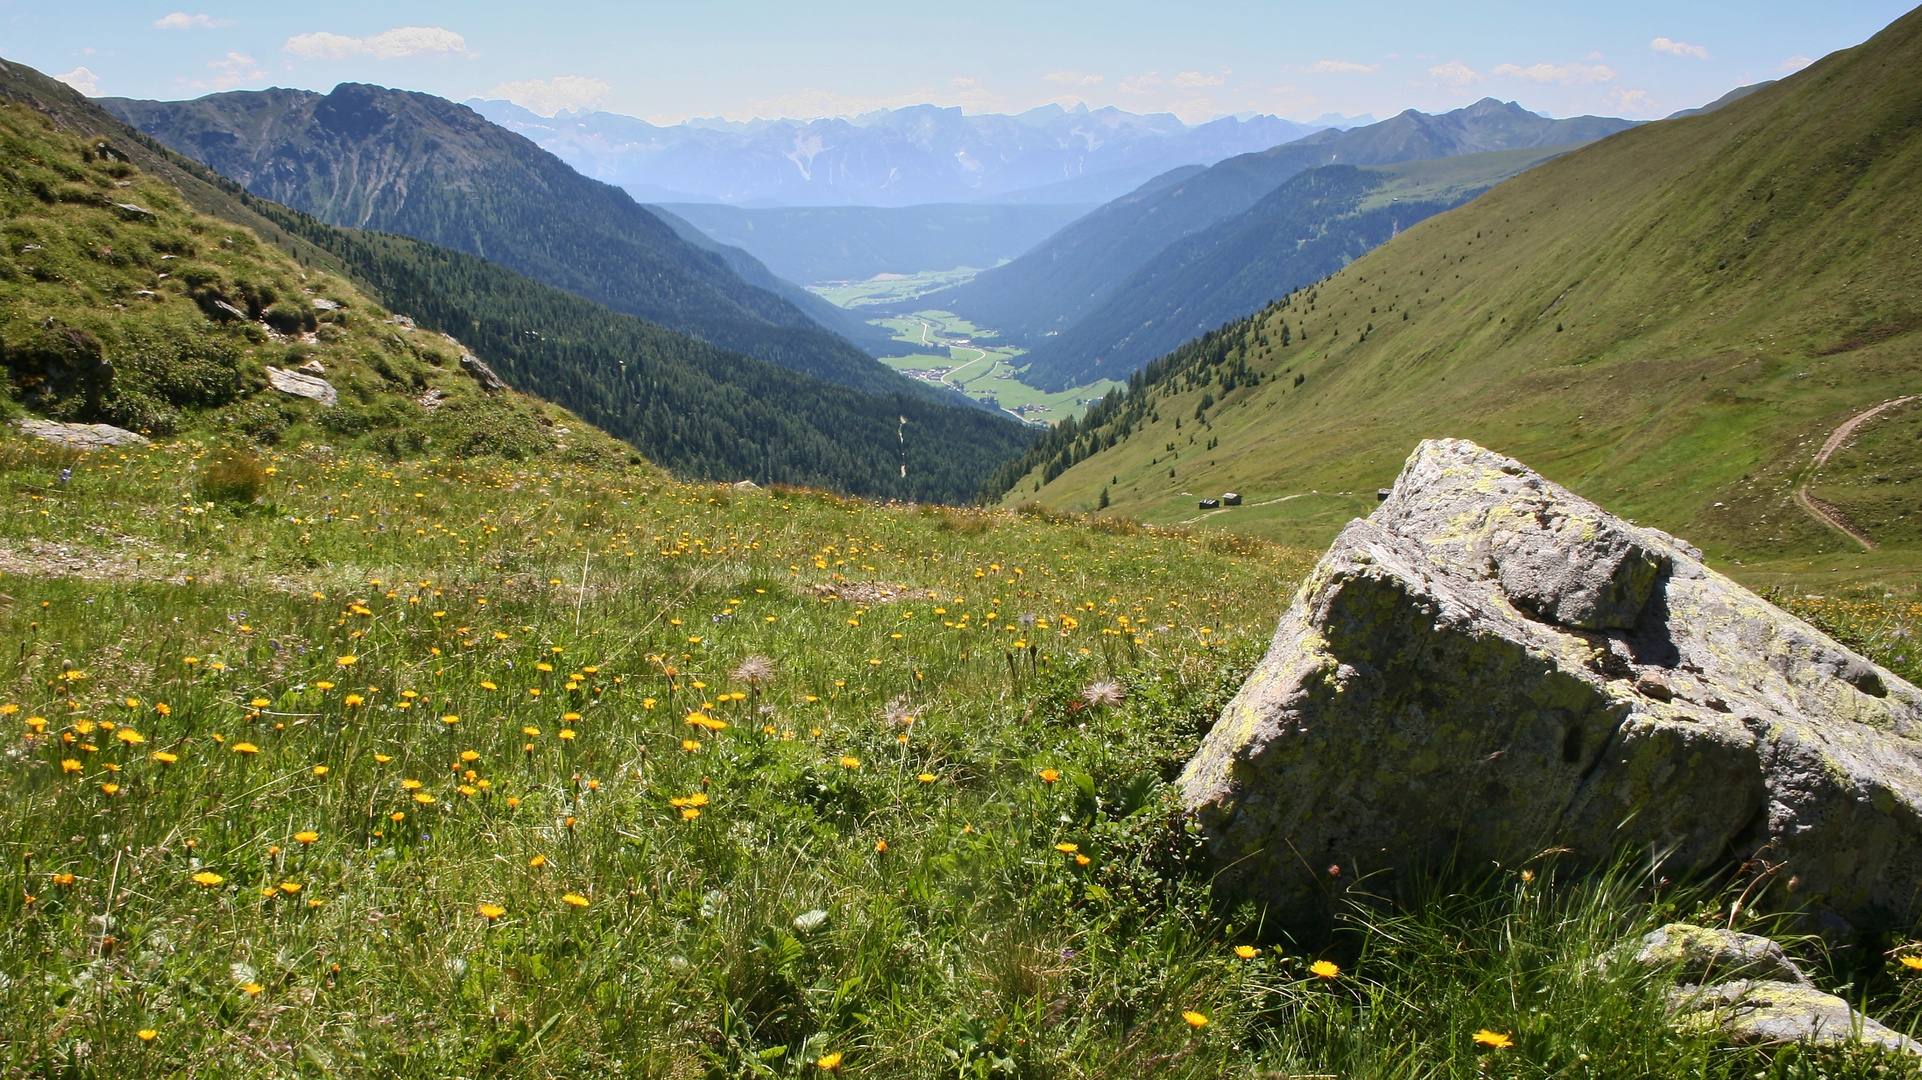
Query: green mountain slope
pixel 1672 321
pixel 1065 277
pixel 1309 227
pixel 705 412
pixel 121 304
pixel 369 157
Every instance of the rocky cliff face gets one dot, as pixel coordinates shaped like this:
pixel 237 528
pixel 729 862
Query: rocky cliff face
pixel 1490 665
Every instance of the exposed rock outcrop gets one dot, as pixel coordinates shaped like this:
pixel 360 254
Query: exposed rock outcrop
pixel 1746 986
pixel 482 374
pixel 1489 665
pixel 81 436
pixel 302 385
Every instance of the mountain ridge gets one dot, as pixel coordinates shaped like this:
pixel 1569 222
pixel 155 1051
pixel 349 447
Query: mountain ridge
pixel 1675 319
pixel 418 165
pixel 1056 284
pixel 899 157
pixel 706 412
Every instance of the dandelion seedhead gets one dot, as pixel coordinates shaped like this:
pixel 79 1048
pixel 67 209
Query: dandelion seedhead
pixel 1104 692
pixel 753 670
pixel 899 713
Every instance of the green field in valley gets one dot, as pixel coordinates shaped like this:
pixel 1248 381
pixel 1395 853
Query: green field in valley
pixel 957 352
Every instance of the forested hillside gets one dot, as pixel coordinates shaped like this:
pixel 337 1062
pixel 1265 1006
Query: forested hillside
pixel 414 164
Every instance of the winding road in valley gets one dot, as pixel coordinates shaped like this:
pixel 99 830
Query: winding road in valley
pixel 1821 511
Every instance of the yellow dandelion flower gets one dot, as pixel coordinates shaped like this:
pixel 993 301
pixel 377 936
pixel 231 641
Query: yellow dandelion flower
pixel 1326 969
pixel 290 887
pixel 566 733
pixel 1195 1019
pixel 323 685
pixel 208 878
pixel 260 703
pixel 537 861
pixel 1494 1039
pixel 690 745
pixel 307 836
pixel 1067 849
pixel 690 813
pixel 530 732
pixel 574 900
pixel 830 1062
pixel 130 736
pixel 110 788
pixel 490 912
pixel 850 762
pixel 346 661
pixel 489 686
pixel 251 989
pixel 1913 963
pixel 147 1034
pixel 1082 860
pixel 1247 952
pixel 352 700
pixel 165 758
pixel 450 719
pixel 926 778
pixel 246 748
pixel 1049 776
pixel 70 765
pixel 410 785
pixel 423 798
pixel 383 758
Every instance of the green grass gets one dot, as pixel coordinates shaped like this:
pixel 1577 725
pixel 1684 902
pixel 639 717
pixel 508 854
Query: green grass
pixel 1672 318
pixel 890 288
pixel 983 369
pixel 876 870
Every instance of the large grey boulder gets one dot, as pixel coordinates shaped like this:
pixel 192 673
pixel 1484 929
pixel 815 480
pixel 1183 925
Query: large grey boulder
pixel 299 384
pixel 1490 665
pixel 81 436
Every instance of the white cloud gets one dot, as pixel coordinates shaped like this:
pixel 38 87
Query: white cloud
pixel 1678 48
pixel 1072 78
pixel 231 70
pixel 1631 102
pixel 1455 74
pixel 395 44
pixel 1140 84
pixel 550 96
pixel 1794 63
pixel 180 20
pixel 1566 74
pixel 1340 67
pixel 81 79
pixel 1190 80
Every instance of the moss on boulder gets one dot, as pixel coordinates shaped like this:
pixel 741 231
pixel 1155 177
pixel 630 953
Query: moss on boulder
pixel 1490 665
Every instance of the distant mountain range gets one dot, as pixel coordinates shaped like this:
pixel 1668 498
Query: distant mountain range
pixel 898 157
pixel 374 158
pixel 1311 226
pixel 1068 276
pixel 813 244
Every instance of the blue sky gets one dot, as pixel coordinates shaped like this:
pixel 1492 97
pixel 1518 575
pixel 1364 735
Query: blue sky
pixel 667 61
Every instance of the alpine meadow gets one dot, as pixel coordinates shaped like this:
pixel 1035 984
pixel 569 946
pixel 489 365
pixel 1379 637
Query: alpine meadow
pixel 464 619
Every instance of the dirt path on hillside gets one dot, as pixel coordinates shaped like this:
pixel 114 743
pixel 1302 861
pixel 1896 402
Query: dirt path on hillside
pixel 1830 515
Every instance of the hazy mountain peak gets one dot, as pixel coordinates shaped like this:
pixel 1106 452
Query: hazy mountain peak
pixel 893 157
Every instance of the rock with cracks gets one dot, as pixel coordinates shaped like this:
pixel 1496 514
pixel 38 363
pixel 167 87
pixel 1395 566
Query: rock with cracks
pixel 1490 665
pixel 303 385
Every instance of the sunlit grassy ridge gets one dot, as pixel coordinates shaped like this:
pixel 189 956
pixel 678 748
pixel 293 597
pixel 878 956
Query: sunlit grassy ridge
pixel 480 768
pixel 119 303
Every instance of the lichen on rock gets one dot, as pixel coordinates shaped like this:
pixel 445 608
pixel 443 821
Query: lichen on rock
pixel 1490 665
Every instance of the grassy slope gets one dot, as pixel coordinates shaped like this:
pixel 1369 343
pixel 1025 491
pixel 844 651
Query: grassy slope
pixel 105 316
pixel 1634 319
pixel 253 696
